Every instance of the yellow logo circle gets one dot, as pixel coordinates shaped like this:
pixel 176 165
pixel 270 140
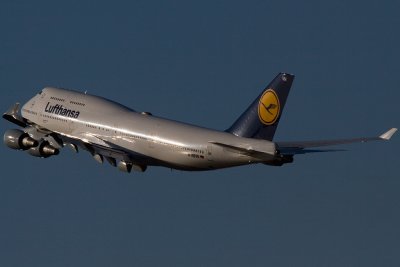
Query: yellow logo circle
pixel 268 107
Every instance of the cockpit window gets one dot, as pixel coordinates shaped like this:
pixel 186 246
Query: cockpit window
pixel 40 92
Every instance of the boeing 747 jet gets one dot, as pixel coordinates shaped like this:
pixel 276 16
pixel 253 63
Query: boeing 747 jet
pixel 55 118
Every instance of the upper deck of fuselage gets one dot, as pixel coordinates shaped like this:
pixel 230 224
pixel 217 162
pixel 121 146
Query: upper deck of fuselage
pixel 97 108
pixel 71 98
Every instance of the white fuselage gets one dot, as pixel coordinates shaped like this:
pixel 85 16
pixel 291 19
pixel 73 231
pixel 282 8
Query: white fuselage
pixel 141 137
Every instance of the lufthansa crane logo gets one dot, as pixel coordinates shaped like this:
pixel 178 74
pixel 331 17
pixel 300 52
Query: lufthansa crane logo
pixel 268 107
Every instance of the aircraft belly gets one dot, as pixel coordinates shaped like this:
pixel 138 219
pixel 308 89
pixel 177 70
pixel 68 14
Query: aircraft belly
pixel 197 161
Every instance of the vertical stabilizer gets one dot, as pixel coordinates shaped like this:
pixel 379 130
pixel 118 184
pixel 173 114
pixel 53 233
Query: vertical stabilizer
pixel 261 118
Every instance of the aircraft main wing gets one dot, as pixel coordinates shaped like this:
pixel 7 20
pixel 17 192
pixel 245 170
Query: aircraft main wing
pixel 301 147
pixel 95 147
pixel 12 115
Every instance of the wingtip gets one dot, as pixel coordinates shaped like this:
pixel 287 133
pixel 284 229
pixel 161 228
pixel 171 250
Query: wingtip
pixel 13 109
pixel 387 135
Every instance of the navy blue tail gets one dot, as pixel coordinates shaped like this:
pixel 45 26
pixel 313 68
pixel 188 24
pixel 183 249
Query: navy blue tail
pixel 261 118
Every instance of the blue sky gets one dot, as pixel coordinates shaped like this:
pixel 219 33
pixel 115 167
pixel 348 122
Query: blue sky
pixel 204 63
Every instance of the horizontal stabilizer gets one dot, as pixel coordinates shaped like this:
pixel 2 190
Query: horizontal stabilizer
pixel 299 147
pixel 245 151
pixel 298 151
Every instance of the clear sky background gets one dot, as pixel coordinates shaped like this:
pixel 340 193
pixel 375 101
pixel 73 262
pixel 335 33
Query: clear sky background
pixel 204 62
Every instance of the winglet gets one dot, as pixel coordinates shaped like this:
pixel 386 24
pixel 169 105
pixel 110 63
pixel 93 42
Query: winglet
pixel 12 115
pixel 13 110
pixel 387 135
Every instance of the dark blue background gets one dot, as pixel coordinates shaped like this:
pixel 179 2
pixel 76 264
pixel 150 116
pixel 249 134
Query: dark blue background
pixel 204 62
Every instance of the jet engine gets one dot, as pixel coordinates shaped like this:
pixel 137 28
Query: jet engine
pixel 17 139
pixel 43 150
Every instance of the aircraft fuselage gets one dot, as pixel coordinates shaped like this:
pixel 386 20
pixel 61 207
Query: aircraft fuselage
pixel 146 139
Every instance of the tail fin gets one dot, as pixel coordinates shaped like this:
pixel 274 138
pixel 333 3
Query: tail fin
pixel 261 118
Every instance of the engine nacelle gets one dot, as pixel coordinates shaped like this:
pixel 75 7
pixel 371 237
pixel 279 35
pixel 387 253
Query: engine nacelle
pixel 125 166
pixel 128 166
pixel 17 139
pixel 43 150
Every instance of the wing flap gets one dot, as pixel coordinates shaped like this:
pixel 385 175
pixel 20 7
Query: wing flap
pixel 107 150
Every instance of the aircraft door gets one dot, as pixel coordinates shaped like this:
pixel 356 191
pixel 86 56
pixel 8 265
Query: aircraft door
pixel 153 134
pixel 70 125
pixel 209 153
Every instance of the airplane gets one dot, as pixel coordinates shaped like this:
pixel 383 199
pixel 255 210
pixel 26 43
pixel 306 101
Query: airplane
pixel 128 139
